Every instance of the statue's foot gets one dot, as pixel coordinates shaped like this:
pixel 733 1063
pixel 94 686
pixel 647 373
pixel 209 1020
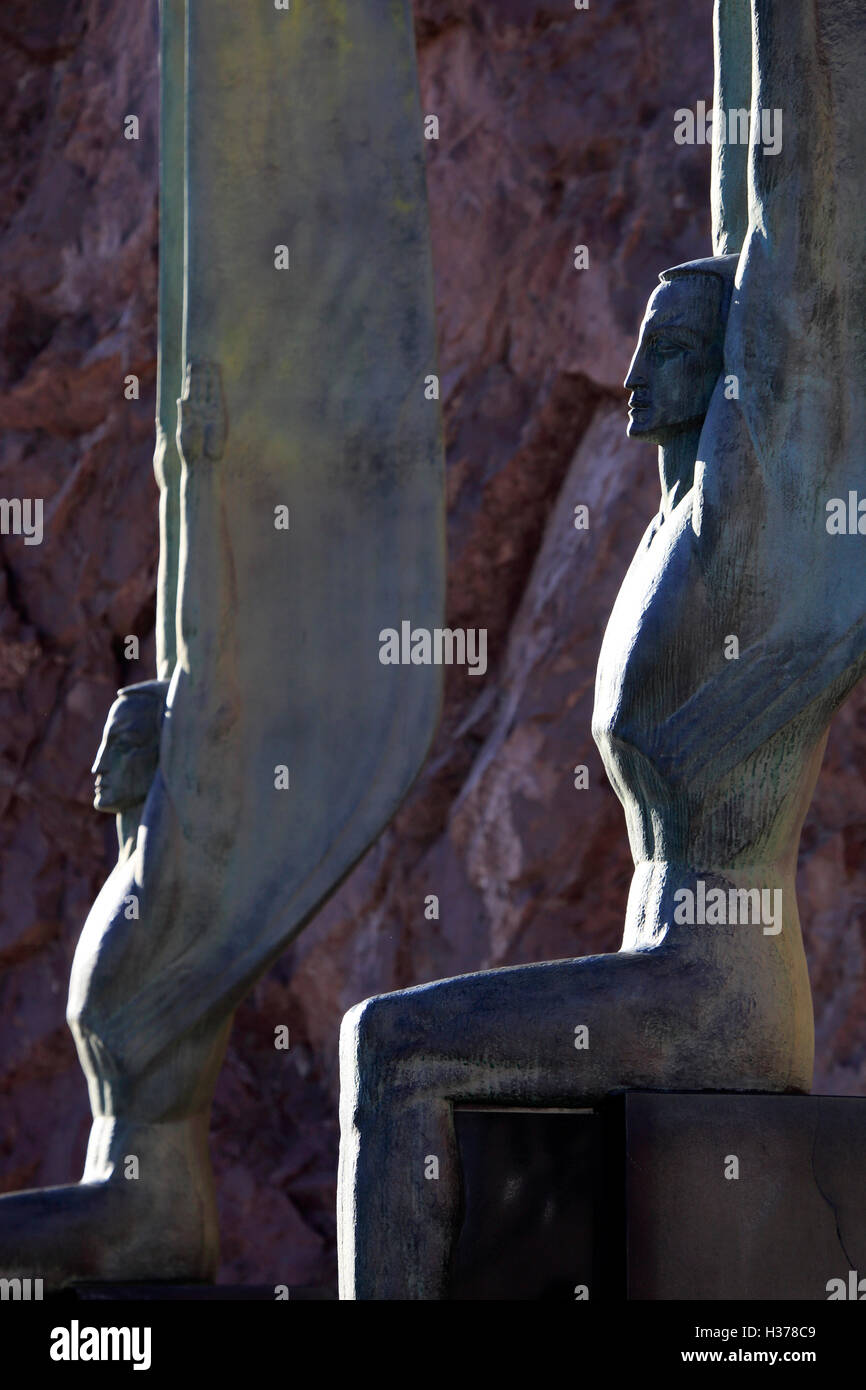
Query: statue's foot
pixel 129 1222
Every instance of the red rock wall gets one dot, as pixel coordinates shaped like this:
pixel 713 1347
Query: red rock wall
pixel 556 128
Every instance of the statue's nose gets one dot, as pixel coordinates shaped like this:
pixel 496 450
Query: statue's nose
pixel 636 376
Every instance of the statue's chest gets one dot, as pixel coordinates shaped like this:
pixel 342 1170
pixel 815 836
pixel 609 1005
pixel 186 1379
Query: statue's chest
pixel 664 634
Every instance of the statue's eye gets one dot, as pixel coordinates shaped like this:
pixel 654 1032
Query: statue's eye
pixel 668 347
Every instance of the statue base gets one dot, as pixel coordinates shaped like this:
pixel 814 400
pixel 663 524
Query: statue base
pixel 661 1196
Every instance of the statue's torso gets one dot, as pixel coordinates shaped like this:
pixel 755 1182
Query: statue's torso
pixel 147 918
pixel 666 639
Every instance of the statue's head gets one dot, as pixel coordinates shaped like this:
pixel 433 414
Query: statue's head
pixel 129 752
pixel 678 358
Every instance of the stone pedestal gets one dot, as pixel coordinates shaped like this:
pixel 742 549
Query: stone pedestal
pixel 656 1196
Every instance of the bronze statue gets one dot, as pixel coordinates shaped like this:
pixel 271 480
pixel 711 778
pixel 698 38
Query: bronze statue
pixel 241 795
pixel 739 629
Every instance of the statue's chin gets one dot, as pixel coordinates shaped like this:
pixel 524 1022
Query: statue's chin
pixel 635 430
pixel 661 434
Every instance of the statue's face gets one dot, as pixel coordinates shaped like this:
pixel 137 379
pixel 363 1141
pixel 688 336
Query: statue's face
pixel 677 361
pixel 127 758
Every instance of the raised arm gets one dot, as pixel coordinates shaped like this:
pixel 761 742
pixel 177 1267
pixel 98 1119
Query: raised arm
pixel 796 339
pixel 733 92
pixel 166 461
pixel 200 758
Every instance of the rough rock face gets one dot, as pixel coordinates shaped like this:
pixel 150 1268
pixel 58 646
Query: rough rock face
pixel 556 129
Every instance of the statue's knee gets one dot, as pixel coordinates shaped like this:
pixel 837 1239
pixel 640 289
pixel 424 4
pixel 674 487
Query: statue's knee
pixel 363 1034
pixel 375 1050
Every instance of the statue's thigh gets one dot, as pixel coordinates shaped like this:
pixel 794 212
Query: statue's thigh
pixel 532 1033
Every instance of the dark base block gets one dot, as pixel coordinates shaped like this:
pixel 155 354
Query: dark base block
pixel 665 1197
pixel 533 1196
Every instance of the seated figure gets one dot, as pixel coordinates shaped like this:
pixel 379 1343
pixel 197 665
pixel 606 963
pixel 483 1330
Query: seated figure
pixel 720 1004
pixel 168 767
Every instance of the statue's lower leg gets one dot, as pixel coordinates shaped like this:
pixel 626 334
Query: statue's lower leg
pixel 706 1009
pixel 145 1208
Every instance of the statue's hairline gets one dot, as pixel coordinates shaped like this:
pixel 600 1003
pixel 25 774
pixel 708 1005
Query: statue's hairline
pixel 149 698
pixel 721 269
pixel 146 692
